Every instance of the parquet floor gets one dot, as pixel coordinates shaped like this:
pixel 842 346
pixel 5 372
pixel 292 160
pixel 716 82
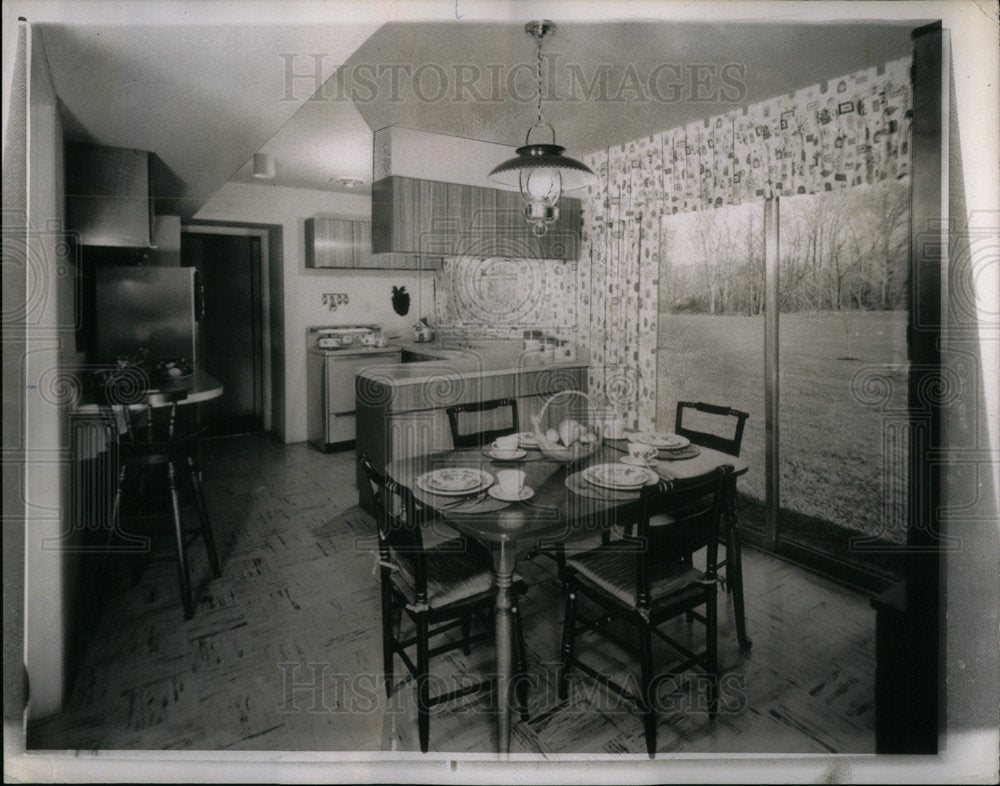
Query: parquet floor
pixel 284 650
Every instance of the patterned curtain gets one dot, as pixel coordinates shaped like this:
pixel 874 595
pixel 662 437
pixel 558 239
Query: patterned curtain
pixel 843 133
pixel 622 244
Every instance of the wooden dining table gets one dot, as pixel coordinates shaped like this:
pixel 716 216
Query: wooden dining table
pixel 562 508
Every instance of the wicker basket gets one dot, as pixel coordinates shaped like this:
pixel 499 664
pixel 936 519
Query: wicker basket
pixel 565 454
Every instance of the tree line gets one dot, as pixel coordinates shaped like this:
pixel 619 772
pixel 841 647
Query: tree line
pixel 840 251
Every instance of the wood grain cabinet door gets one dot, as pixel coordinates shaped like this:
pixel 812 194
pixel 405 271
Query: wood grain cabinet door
pixel 329 243
pixel 362 242
pixel 437 227
pixel 436 219
pixel 475 213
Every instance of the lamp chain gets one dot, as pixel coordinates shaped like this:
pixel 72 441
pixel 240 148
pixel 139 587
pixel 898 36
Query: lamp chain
pixel 539 73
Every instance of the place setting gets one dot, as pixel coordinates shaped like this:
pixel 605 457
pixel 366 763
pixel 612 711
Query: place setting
pixel 611 481
pixel 522 446
pixel 470 490
pixel 645 447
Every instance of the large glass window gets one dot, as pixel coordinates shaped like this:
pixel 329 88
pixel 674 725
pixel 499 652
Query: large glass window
pixel 842 330
pixel 841 348
pixel 711 326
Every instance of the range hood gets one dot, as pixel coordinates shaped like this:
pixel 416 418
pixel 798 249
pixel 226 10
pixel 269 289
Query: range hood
pixel 109 203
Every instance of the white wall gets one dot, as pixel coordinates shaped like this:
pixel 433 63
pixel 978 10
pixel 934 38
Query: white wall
pixel 369 291
pixel 50 344
pixel 429 156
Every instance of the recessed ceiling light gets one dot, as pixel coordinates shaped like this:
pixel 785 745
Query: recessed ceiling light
pixel 347 182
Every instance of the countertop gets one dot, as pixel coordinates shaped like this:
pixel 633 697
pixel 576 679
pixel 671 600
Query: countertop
pixel 355 351
pixel 484 358
pixel 200 387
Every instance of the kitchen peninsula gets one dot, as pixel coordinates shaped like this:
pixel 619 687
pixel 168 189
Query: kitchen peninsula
pixel 402 409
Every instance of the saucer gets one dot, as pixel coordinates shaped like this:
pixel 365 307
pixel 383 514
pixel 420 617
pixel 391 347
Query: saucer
pixel 637 462
pixel 505 454
pixel 526 493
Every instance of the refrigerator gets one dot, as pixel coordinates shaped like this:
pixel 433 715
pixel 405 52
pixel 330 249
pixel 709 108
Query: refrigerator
pixel 150 311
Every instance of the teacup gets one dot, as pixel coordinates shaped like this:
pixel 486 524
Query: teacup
pixel 508 442
pixel 639 451
pixel 510 481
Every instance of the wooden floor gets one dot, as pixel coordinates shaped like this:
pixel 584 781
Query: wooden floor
pixel 284 650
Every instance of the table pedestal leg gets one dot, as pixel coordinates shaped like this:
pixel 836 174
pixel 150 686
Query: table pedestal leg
pixel 504 556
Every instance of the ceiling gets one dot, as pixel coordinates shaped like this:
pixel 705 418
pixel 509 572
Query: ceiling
pixel 206 97
pixel 647 69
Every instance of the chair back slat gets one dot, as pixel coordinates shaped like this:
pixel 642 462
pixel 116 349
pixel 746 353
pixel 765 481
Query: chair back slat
pixel 398 523
pixel 695 508
pixel 720 428
pixel 482 410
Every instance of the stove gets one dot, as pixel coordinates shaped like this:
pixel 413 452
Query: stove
pixel 334 355
pixel 339 337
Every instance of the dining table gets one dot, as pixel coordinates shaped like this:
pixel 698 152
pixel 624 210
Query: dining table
pixel 562 507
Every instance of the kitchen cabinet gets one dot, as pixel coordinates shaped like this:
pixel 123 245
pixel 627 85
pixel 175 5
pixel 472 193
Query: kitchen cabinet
pixel 475 212
pixel 362 239
pixel 331 400
pixel 412 216
pixel 340 243
pixel 330 242
pixel 108 200
pixel 433 218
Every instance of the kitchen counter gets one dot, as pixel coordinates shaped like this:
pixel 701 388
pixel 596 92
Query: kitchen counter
pixel 402 408
pixel 355 351
pixel 485 358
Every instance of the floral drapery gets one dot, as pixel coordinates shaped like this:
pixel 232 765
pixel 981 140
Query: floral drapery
pixel 838 134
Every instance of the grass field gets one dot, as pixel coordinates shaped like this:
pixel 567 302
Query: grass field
pixel 839 456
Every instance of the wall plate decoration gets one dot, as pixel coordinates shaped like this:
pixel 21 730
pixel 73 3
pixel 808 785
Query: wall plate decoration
pixel 334 299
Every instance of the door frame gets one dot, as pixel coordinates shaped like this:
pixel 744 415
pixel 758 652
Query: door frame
pixel 263 236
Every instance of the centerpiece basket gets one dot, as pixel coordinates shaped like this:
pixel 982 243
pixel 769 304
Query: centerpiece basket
pixel 586 442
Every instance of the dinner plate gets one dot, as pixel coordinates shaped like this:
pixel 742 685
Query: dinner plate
pixel 619 476
pixel 497 493
pixel 664 440
pixel 455 481
pixel 527 439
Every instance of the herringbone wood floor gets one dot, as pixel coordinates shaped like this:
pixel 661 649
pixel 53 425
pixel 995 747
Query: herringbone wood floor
pixel 284 650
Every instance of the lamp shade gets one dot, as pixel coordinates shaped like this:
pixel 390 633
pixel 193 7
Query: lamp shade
pixel 572 173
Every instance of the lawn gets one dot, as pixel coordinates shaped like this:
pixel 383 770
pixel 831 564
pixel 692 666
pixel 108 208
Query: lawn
pixel 840 458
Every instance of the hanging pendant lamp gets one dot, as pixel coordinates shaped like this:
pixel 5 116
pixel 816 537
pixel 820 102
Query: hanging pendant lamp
pixel 540 171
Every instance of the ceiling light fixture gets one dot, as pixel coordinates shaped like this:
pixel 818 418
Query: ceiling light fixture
pixel 540 171
pixel 263 166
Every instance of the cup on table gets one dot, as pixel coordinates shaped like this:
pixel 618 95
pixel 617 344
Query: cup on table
pixel 510 481
pixel 642 452
pixel 508 442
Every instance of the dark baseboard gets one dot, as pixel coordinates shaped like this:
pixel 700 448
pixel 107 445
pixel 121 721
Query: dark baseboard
pixel 846 556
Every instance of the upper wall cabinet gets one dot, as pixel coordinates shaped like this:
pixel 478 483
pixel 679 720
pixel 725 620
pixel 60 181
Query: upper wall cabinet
pixel 108 199
pixel 330 242
pixel 346 243
pixel 411 216
pixel 428 217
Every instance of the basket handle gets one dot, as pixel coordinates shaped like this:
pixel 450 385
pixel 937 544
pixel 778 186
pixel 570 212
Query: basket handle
pixel 536 420
pixel 561 393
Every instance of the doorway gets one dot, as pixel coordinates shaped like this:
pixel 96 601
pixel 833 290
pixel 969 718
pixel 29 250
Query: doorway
pixel 231 332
